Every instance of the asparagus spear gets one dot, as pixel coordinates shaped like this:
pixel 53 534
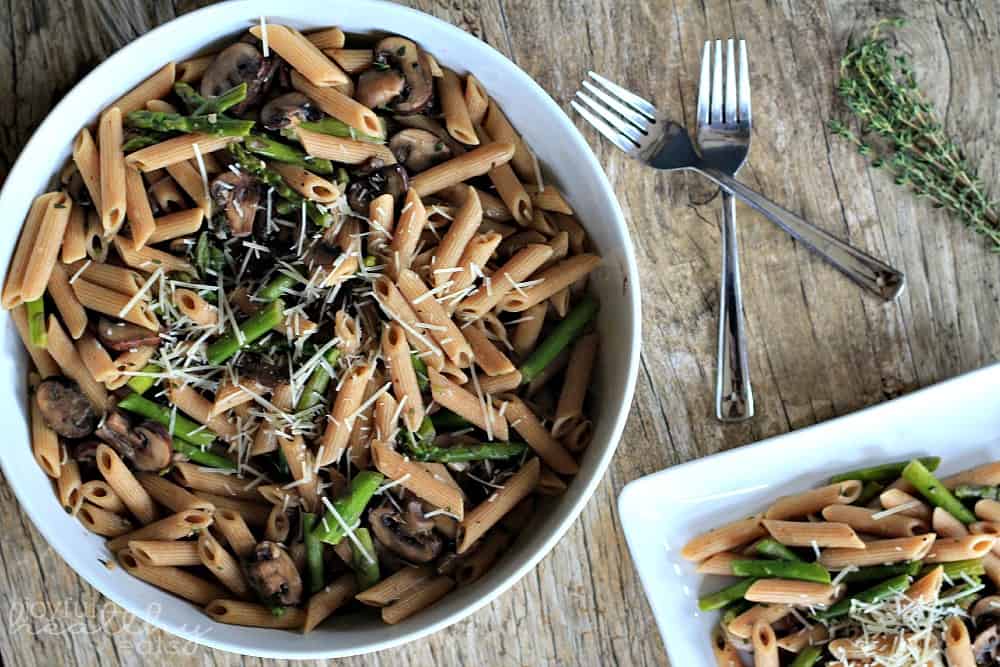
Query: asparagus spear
pixel 564 333
pixel 317 383
pixel 955 570
pixel 213 124
pixel 808 657
pixel 36 322
pixel 335 128
pixel 276 287
pixel 363 559
pixel 886 472
pixel 479 451
pixel 349 507
pixel 280 152
pixel 207 256
pixel 874 594
pixel 140 384
pixel 978 491
pixel 781 569
pixel 142 140
pixel 259 168
pixel 934 491
pixel 183 428
pixel 446 420
pixel 772 548
pixel 725 596
pixel 253 328
pixel 314 553
pixel 202 456
pixel 882 572
pixel 319 217
pixel 199 105
pixel 421 370
pixel 869 491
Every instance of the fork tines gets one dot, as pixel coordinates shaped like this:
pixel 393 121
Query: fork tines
pixel 620 115
pixel 731 104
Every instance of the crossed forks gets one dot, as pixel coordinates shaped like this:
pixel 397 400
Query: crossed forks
pixel 723 133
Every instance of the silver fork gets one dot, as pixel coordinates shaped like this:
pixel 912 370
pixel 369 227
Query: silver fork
pixel 723 137
pixel 633 124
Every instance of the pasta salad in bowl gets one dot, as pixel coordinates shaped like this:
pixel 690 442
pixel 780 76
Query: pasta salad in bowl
pixel 314 338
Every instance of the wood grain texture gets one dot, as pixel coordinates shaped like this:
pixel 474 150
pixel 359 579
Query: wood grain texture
pixel 818 346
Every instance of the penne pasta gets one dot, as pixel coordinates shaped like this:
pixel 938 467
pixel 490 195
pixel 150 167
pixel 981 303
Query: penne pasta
pixel 456 113
pixel 103 300
pixel 255 514
pixel 497 287
pixel 529 427
pixel 174 150
pixel 68 359
pixel 171 579
pixel 551 281
pixel 304 56
pixel 820 534
pixel 95 358
pixel 14 285
pixel 191 70
pixel 466 404
pixel 951 549
pixel 348 151
pixel 346 404
pixel 68 486
pixel 328 600
pixel 236 532
pixel 98 492
pixel 148 259
pixel 879 552
pixel 329 38
pixel 170 495
pixel 173 527
pixel 957 645
pixel 306 183
pixel 102 522
pixel 874 522
pixel 926 588
pixel 110 137
pixel 476 162
pixel 442 329
pixel 193 305
pixel 72 313
pixel 792 592
pixel 156 87
pixel 742 625
pixel 486 514
pixel 549 199
pixel 574 389
pixel 497 126
pixel 340 106
pixel 476 99
pixel 165 553
pixel 74 243
pixel 137 208
pixel 809 502
pixel 238 612
pixel 765 646
pixel 88 161
pixel 221 563
pixel 125 485
pixel 424 484
pixel 352 61
pixel 725 538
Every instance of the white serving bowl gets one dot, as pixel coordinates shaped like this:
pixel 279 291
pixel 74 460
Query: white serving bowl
pixel 565 157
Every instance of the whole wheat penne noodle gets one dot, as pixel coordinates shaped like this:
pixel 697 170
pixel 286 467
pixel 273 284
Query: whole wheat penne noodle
pixel 198 478
pixel 45 249
pixel 348 151
pixel 191 70
pixel 172 496
pixel 499 128
pixel 113 277
pixel 160 106
pixel 188 176
pixel 991 563
pixel 456 114
pixel 432 65
pixel 341 419
pixel 327 38
pixel 985 475
pixel 97 245
pixel 742 625
pixel 165 553
pixel 870 521
pixel 493 207
pixel 73 314
pixel 529 427
pixel 176 224
pixel 109 302
pixel 309 185
pixel 427 486
pixel 765 644
pixel 340 106
pixel 725 538
pixel 384 421
pixel 276 529
pixel 352 61
pixel 397 308
pixel 512 192
pixel 487 513
pixel 234 529
pixel 988 510
pixel 346 329
pixel 68 485
pixel 13 287
pixel 302 54
pixel 129 362
pixel 487 355
pixel 726 655
pixel 720 564
pixel 442 329
pixel 238 612
pixel 329 599
pixel 477 253
pixel 570 225
pixel 814 500
pixel 255 514
pixel 460 232
pixel 395 586
pixel 194 306
pixel 476 100
pixel 138 210
pixel 177 149
pixel 74 242
pixel 859 651
pixel 797 641
pixel 528 329
pixel 68 359
pixel 412 220
pixel 149 259
pixel 560 249
pixel 166 194
pixel 950 549
pixel 381 221
pixel 879 552
pixel 579 433
pixel 173 527
pixel 792 592
pixel 549 199
pixel 264 440
pixel 102 522
pixel 455 374
pixel 549 483
pixel 278 495
pixel 98 492
pixel 806 533
pixel 95 358
pixel 957 646
pixel 420 597
pixel 221 563
pixel 463 402
pixel 157 86
pixel 551 281
pixel 171 579
pixel 497 286
pixel 574 389
pixel 230 395
pixel 110 136
pixel 474 163
pixel 926 588
pixel 893 498
pixel 403 376
pixel 124 483
pixel 88 160
pixel 44 441
pixel 301 466
pixel 945 525
pixel 196 406
pixel 500 383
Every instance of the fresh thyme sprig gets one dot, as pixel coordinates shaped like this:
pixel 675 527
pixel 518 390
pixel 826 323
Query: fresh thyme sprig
pixel 900 132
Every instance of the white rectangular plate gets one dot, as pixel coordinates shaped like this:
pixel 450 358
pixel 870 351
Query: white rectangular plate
pixel 958 420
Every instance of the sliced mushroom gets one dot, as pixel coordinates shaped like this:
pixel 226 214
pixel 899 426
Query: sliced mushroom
pixel 239 195
pixel 986 646
pixel 404 56
pixel 986 607
pixel 76 187
pixel 85 453
pixel 273 576
pixel 239 63
pixel 65 408
pixel 116 430
pixel 422 122
pixel 152 446
pixel 378 88
pixel 373 178
pixel 122 336
pixel 288 109
pixel 410 534
pixel 418 150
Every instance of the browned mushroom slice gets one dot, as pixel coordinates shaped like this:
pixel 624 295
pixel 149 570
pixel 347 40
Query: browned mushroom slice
pixel 65 408
pixel 273 576
pixel 288 109
pixel 85 453
pixel 378 88
pixel 373 178
pixel 986 645
pixel 239 63
pixel 122 336
pixel 239 195
pixel 116 430
pixel 152 446
pixel 409 534
pixel 418 149
pixel 422 122
pixel 404 56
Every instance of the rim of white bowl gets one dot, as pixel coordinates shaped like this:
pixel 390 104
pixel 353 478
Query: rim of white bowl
pixel 620 417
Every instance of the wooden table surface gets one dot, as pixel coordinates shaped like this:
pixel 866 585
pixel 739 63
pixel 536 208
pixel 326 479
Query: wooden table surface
pixel 819 348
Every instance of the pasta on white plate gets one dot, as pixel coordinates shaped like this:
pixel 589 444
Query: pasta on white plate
pixel 270 295
pixel 858 581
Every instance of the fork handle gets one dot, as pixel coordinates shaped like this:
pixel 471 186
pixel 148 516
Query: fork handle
pixel 872 274
pixel 733 395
